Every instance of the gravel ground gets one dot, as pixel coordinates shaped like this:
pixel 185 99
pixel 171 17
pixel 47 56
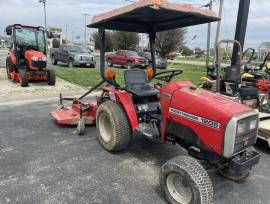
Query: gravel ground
pixel 8 88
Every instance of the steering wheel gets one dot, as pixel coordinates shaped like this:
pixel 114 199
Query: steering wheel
pixel 167 76
pixel 251 57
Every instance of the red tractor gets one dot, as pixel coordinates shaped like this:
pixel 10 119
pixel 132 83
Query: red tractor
pixel 26 59
pixel 211 127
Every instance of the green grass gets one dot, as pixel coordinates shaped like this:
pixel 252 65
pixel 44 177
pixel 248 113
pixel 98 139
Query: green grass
pixel 90 77
pixel 191 59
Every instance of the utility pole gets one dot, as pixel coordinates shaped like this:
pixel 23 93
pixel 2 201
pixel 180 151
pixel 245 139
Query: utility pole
pixel 221 3
pixel 241 26
pixel 66 32
pixel 209 37
pixel 85 15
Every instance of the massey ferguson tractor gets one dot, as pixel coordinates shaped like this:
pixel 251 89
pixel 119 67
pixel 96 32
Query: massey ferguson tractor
pixel 214 130
pixel 26 59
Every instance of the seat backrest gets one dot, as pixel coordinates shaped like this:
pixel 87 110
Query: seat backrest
pixel 135 78
pixel 233 74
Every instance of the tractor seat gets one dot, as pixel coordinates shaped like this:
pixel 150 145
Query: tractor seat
pixel 137 83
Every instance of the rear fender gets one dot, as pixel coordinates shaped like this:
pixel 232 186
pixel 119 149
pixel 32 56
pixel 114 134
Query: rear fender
pixel 126 101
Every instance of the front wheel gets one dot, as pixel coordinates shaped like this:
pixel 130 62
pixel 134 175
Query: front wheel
pixel 184 181
pixel 54 61
pixel 113 127
pixel 24 79
pixel 51 79
pixel 109 63
pixel 129 65
pixel 71 64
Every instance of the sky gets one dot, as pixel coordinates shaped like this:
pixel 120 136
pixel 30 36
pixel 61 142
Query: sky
pixel 67 14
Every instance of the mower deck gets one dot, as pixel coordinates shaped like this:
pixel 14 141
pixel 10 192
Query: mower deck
pixel 71 115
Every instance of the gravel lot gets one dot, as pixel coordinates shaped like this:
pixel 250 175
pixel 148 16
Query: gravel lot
pixel 10 89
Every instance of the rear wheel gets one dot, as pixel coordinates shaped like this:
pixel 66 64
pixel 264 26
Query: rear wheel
pixel 51 77
pixel 185 181
pixel 8 68
pixel 54 61
pixel 113 127
pixel 24 79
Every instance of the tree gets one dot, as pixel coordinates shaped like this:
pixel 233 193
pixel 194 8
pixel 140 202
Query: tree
pixel 169 41
pixel 184 50
pixel 125 40
pixel 108 40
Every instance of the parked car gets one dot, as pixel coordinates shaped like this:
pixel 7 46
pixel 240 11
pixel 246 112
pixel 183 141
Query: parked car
pixel 126 58
pixel 73 55
pixel 160 61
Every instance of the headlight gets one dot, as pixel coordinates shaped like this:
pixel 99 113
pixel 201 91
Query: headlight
pixel 77 57
pixel 241 128
pixel 44 58
pixel 253 124
pixel 246 125
pixel 34 58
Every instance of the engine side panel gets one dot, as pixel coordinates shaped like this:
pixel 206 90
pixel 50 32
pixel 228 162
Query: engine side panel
pixel 205 113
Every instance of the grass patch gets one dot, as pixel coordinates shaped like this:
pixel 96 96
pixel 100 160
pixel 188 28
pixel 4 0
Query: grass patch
pixel 90 77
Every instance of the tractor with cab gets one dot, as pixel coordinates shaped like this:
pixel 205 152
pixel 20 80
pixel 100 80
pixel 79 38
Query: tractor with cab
pixel 211 127
pixel 26 59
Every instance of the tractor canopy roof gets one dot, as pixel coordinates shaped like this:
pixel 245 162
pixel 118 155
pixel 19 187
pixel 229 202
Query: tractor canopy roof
pixel 145 15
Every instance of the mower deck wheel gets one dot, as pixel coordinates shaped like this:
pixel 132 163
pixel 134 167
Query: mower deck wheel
pixel 51 77
pixel 184 181
pixel 81 127
pixel 237 177
pixel 24 79
pixel 114 132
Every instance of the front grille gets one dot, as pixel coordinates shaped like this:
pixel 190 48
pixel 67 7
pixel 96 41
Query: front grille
pixel 86 58
pixel 39 64
pixel 244 141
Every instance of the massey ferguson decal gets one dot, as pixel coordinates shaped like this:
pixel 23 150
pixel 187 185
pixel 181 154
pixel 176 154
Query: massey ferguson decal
pixel 196 118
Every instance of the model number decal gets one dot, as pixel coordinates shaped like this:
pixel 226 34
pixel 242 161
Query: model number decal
pixel 196 118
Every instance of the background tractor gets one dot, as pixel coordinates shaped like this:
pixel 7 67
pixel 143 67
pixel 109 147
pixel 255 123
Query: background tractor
pixel 211 127
pixel 26 59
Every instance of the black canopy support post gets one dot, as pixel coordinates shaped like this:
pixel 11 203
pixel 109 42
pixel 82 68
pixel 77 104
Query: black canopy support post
pixel 102 52
pixel 241 27
pixel 152 40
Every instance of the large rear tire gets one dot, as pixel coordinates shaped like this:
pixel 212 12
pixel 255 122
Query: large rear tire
pixel 114 132
pixel 184 181
pixel 8 64
pixel 51 79
pixel 24 79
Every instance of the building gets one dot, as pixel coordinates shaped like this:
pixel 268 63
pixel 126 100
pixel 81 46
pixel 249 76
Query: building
pixel 264 48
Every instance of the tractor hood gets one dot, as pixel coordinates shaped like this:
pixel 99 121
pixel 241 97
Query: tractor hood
pixel 37 55
pixel 199 102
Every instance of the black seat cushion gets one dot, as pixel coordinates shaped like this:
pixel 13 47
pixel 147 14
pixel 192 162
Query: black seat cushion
pixel 248 92
pixel 137 83
pixel 232 74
